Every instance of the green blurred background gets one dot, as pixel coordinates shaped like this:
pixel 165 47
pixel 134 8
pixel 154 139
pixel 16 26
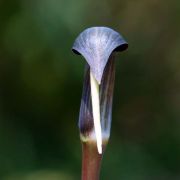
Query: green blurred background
pixel 41 83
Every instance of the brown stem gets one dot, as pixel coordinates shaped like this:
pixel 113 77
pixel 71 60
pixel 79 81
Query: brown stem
pixel 91 161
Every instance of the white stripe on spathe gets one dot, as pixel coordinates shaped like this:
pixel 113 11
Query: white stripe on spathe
pixel 96 111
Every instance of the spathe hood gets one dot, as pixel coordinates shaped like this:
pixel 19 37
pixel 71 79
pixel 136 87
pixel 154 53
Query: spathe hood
pixel 96 45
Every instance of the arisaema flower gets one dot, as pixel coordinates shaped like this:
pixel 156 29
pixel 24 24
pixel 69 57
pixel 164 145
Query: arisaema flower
pixel 98 46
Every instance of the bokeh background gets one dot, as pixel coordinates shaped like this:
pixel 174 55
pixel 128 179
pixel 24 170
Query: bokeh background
pixel 41 84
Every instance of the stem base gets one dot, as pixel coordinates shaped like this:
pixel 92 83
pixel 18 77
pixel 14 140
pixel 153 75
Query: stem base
pixel 91 161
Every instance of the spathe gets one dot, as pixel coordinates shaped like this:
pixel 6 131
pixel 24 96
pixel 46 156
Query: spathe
pixel 97 45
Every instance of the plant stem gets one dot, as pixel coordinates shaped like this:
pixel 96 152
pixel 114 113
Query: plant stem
pixel 91 161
